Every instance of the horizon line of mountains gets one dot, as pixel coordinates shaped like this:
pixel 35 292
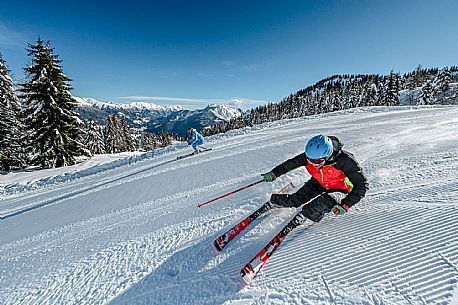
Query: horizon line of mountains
pixel 154 118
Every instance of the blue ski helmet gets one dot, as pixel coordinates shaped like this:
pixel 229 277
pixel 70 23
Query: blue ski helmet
pixel 319 147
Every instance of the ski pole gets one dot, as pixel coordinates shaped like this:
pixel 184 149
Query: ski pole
pixel 230 193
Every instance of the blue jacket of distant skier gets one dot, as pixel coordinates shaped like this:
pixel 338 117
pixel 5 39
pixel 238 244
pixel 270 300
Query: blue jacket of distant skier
pixel 194 138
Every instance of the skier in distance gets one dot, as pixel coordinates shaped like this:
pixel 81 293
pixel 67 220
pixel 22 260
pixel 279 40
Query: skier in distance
pixel 195 139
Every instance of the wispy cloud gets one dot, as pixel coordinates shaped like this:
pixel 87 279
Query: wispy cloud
pixel 246 102
pixel 238 102
pixel 229 63
pixel 10 38
pixel 246 67
pixel 172 99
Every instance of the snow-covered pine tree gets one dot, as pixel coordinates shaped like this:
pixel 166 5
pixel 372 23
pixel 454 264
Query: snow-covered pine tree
pixel 454 95
pixel 420 76
pixel 441 86
pixel 93 138
pixel 111 135
pixel 12 154
pixel 148 141
pixel 370 94
pixel 426 94
pixel 391 96
pixel 117 135
pixel 337 97
pixel 165 139
pixel 141 140
pixel 55 129
pixel 355 93
pixel 125 133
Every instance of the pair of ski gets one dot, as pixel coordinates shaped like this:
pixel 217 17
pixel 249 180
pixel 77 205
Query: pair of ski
pixel 193 153
pixel 251 269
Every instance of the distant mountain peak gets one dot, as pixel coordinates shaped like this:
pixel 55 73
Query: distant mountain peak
pixel 156 118
pixel 179 122
pixel 224 112
pixel 137 105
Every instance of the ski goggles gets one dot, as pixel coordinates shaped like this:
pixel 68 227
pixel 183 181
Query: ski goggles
pixel 316 162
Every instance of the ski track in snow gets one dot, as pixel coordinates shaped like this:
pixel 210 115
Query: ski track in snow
pixel 133 235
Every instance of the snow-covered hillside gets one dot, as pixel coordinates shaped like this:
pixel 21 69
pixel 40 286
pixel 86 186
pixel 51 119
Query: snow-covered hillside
pixel 131 233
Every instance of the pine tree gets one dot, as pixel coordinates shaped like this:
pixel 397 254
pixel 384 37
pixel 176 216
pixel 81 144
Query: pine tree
pixel 111 135
pixel 441 86
pixel 50 110
pixel 370 94
pixel 125 135
pixel 426 94
pixel 93 139
pixel 12 154
pixel 143 141
pixel 454 95
pixel 391 96
pixel 420 76
pixel 117 135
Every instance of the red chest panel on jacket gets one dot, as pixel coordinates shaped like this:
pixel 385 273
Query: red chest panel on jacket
pixel 329 177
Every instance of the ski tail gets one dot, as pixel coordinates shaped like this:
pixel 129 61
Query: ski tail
pixel 229 235
pixel 205 148
pixel 192 154
pixel 185 156
pixel 253 267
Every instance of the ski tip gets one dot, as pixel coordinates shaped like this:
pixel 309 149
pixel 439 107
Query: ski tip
pixel 248 274
pixel 217 246
pixel 246 277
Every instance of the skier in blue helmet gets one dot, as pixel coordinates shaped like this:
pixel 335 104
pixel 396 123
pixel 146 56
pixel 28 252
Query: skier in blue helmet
pixel 337 181
pixel 319 148
pixel 195 139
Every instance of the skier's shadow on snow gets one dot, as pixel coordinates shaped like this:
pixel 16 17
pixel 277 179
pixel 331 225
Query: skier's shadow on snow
pixel 198 274
pixel 193 275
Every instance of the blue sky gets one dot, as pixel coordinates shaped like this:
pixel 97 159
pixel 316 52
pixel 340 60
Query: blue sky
pixel 193 53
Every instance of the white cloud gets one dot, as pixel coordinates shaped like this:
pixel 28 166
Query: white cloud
pixel 237 102
pixel 172 99
pixel 246 102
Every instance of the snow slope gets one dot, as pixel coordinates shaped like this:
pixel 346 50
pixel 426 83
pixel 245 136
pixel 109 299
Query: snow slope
pixel 131 233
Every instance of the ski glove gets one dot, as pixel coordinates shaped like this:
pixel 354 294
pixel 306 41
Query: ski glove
pixel 269 177
pixel 340 209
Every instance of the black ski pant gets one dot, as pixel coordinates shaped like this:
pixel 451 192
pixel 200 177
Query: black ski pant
pixel 313 210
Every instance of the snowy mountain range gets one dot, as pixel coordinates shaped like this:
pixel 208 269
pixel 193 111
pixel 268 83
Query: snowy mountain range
pixel 156 118
pixel 180 121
